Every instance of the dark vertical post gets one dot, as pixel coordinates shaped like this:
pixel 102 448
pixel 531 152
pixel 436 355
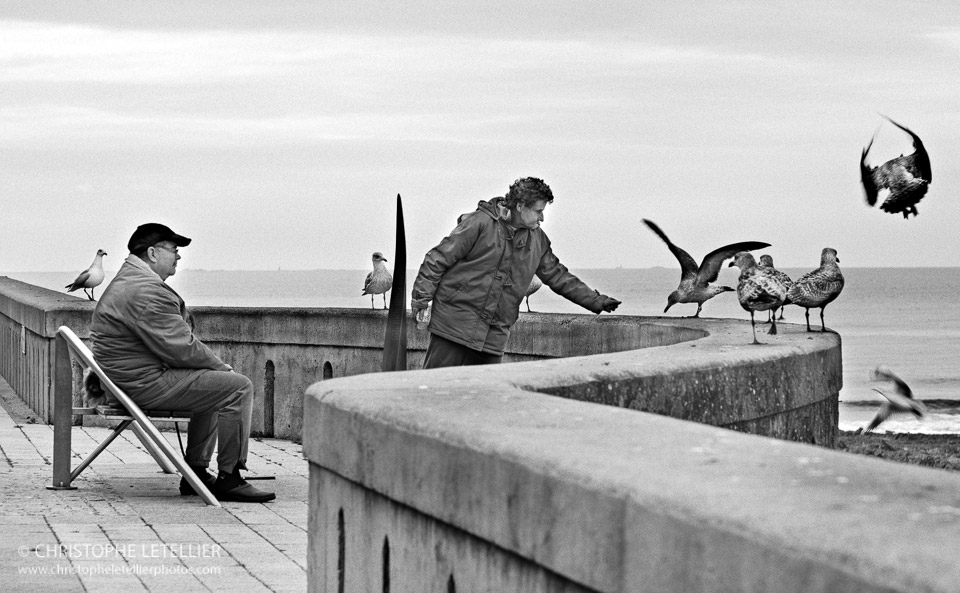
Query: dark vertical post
pixel 395 339
pixel 269 378
pixel 341 553
pixel 62 413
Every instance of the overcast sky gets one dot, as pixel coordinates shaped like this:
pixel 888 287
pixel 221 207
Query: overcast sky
pixel 278 135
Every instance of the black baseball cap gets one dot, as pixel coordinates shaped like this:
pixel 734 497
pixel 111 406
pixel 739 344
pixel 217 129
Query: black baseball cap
pixel 153 233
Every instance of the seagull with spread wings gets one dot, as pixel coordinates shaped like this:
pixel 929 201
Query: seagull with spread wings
pixel 695 280
pixel 901 182
pixel 901 400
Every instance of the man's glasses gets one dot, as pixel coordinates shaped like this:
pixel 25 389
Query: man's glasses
pixel 172 250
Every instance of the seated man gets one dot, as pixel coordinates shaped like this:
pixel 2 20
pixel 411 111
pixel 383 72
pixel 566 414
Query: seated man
pixel 143 341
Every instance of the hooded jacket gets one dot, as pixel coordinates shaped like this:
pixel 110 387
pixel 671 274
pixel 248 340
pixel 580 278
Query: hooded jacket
pixel 478 275
pixel 140 330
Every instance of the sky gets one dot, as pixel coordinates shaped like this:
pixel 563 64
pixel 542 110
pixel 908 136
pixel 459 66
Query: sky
pixel 278 135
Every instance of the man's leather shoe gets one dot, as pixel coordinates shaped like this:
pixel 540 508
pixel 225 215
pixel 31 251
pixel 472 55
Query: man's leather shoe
pixel 206 477
pixel 234 488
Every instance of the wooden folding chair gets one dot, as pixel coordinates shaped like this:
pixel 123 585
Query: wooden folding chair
pixel 69 347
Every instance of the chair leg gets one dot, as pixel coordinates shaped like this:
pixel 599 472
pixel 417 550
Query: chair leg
pixel 83 464
pixel 154 451
pixel 170 453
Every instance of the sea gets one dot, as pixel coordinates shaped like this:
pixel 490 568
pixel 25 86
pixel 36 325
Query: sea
pixel 907 319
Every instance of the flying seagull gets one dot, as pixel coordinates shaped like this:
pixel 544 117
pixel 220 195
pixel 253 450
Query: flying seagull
pixel 901 182
pixel 766 261
pixel 901 400
pixel 759 289
pixel 535 285
pixel 379 281
pixel 818 288
pixel 90 278
pixel 695 280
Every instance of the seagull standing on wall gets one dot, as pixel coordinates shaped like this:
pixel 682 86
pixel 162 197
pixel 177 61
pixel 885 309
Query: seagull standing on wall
pixel 759 289
pixel 818 288
pixel 379 281
pixel 695 280
pixel 901 400
pixel 90 278
pixel 766 261
pixel 535 285
pixel 901 182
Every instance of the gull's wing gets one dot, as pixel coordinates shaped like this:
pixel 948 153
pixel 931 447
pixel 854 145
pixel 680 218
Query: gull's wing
pixel 79 282
pixel 922 159
pixel 901 386
pixel 713 261
pixel 882 414
pixel 688 265
pixel 366 283
pixel 866 176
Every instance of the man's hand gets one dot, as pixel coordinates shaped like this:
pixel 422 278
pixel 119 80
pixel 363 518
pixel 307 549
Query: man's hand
pixel 610 304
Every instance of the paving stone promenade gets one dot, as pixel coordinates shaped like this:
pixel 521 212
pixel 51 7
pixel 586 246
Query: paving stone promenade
pixel 127 529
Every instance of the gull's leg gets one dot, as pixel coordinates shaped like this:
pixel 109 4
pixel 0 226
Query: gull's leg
pixel 754 328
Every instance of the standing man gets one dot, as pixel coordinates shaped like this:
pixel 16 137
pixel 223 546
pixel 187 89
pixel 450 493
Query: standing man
pixel 477 277
pixel 144 342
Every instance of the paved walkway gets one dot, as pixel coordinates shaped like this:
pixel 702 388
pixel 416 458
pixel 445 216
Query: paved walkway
pixel 126 528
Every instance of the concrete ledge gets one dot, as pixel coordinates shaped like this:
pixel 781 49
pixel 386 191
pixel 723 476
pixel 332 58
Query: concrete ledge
pixel 617 500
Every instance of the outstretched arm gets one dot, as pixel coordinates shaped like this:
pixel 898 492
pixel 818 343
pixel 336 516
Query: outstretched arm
pixel 556 275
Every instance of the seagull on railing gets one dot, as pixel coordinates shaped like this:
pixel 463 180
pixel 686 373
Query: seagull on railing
pixel 759 289
pixel 766 261
pixel 535 285
pixel 818 288
pixel 90 278
pixel 901 400
pixel 379 281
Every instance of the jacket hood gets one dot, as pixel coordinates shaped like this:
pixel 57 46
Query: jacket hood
pixel 494 209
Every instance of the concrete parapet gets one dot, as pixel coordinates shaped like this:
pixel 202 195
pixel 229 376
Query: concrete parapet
pixel 788 394
pixel 473 479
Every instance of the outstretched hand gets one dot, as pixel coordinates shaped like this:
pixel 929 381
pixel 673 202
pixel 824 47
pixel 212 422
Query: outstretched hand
pixel 610 304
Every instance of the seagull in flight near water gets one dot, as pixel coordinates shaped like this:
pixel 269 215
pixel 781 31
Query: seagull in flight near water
pixel 901 182
pixel 695 280
pixel 379 281
pixel 90 278
pixel 901 400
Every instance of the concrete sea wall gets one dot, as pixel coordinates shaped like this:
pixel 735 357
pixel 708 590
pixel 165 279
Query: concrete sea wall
pixel 285 350
pixel 511 478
